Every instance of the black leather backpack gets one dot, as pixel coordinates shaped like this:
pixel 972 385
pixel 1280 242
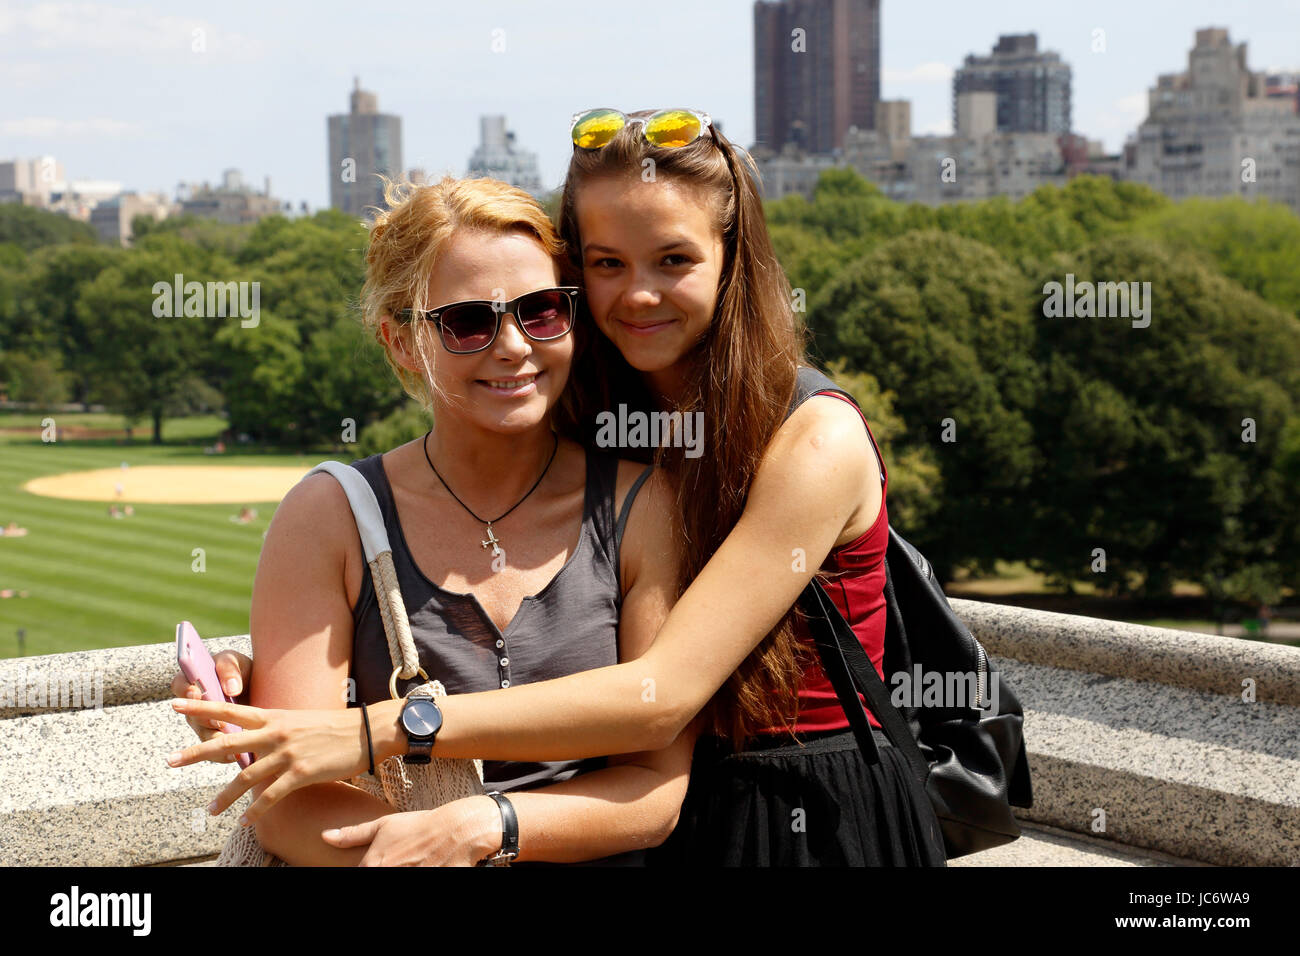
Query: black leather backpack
pixel 969 756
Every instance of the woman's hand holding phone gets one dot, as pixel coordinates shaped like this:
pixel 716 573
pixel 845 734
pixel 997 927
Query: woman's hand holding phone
pixel 294 748
pixel 234 670
pixel 198 667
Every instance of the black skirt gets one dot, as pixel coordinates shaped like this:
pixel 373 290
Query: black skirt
pixel 815 803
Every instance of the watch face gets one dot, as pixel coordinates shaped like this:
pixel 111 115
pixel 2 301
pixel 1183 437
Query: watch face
pixel 421 717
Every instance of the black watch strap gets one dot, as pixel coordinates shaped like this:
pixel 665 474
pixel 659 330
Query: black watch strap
pixel 418 751
pixel 509 832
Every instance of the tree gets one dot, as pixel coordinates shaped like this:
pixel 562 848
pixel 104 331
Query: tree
pixel 1141 429
pixel 942 320
pixel 37 379
pixel 45 319
pixel 139 360
pixel 207 236
pixel 31 228
pixel 345 376
pixel 407 422
pixel 311 269
pixel 1257 244
pixel 265 377
pixel 194 396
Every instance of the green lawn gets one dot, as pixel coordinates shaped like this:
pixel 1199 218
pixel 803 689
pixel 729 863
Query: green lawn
pixel 96 581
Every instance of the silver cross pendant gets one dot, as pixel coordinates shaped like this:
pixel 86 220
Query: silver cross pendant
pixel 492 541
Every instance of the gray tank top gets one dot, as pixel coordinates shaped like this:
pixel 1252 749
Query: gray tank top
pixel 571 625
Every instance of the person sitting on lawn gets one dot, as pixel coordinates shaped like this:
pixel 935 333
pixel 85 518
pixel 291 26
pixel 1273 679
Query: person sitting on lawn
pixel 245 515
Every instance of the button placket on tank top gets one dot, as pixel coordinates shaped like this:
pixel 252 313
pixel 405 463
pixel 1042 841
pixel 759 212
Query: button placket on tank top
pixel 501 643
pixel 574 621
pixel 504 661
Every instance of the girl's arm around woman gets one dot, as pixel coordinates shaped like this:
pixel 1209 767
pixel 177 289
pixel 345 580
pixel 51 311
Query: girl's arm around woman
pixel 818 475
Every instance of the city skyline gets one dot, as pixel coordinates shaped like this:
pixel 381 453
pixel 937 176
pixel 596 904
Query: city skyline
pixel 135 95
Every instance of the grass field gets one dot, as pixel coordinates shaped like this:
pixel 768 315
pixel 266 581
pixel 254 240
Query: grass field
pixel 97 581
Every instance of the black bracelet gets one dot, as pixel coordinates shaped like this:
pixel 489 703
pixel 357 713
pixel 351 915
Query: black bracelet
pixel 365 718
pixel 509 833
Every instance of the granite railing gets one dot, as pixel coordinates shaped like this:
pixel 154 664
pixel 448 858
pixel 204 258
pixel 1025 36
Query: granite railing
pixel 1171 741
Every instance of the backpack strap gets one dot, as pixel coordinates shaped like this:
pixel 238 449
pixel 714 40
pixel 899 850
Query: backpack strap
pixel 809 382
pixel 850 670
pixel 844 661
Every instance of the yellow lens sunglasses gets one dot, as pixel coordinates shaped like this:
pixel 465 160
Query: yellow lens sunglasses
pixel 667 129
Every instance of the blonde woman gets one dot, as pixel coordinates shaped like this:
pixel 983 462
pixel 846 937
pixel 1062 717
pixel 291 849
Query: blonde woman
pixel 521 556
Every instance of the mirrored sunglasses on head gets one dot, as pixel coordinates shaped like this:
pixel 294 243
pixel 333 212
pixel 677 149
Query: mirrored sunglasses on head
pixel 667 129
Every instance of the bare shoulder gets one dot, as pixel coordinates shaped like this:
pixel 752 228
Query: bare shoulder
pixel 313 530
pixel 316 507
pixel 820 464
pixel 300 617
pixel 825 434
pixel 648 534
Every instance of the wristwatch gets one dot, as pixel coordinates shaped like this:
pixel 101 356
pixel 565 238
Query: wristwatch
pixel 509 833
pixel 421 719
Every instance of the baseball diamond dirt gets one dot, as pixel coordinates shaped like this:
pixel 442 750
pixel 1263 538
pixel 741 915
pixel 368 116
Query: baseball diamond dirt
pixel 171 484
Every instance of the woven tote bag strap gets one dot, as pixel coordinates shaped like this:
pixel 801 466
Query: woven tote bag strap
pixel 379 556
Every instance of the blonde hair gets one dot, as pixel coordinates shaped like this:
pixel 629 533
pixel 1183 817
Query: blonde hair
pixel 407 237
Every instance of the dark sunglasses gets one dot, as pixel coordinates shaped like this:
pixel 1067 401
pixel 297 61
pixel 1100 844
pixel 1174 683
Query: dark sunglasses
pixel 473 326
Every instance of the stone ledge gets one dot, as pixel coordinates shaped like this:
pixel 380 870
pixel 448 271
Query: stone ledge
pixel 1041 845
pixel 128 675
pixel 1185 772
pixel 1181 765
pixel 1038 846
pixel 1118 649
pixel 94 788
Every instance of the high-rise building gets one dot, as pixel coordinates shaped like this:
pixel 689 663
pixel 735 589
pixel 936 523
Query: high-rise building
pixel 1033 87
pixel 362 144
pixel 496 156
pixel 113 217
pixel 977 114
pixel 970 165
pixel 233 202
pixel 1218 129
pixel 894 126
pixel 1283 85
pixel 31 182
pixel 894 119
pixel 816 71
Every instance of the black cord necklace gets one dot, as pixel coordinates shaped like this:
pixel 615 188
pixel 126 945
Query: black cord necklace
pixel 492 541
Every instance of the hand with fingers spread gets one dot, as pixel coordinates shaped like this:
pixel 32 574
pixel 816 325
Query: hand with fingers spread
pixel 294 748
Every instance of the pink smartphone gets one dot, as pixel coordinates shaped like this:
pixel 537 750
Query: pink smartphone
pixel 197 666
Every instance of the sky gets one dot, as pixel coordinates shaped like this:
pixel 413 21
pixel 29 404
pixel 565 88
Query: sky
pixel 152 94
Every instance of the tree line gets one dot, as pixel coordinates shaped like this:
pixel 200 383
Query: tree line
pixel 1078 442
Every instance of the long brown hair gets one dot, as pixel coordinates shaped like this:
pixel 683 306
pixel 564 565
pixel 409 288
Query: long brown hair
pixel 742 377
